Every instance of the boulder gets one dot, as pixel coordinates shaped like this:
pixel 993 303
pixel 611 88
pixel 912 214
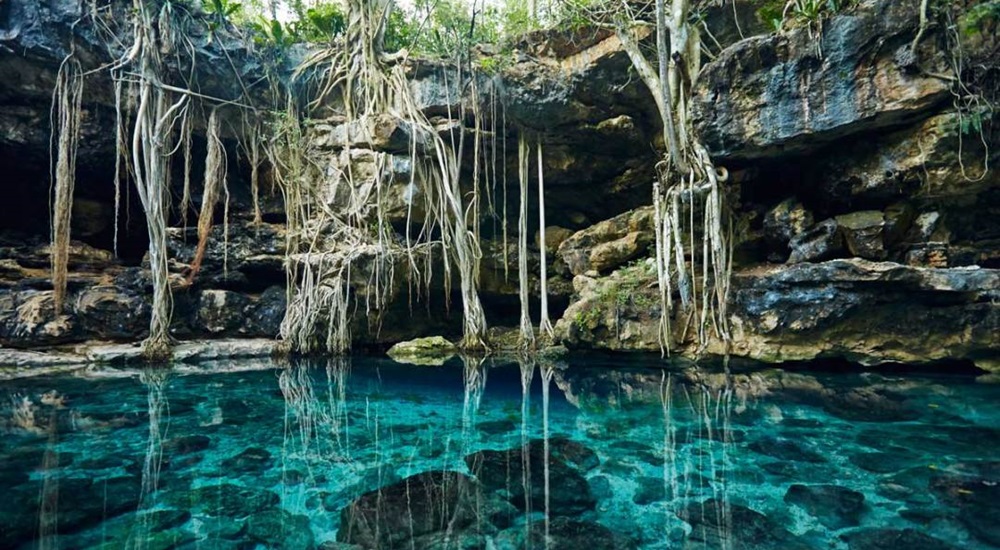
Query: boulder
pixel 864 233
pixel 786 220
pixel 721 524
pixel 609 244
pixel 221 311
pixel 822 241
pixel 430 351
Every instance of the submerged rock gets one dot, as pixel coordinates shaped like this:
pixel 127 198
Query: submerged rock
pixel 719 524
pixel 430 351
pixel 503 472
pixel 279 529
pixel 894 539
pixel 419 505
pixel 226 499
pixel 785 449
pixel 252 460
pixel 834 506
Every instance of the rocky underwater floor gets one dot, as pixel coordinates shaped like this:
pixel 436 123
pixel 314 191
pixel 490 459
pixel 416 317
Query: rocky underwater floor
pixel 365 453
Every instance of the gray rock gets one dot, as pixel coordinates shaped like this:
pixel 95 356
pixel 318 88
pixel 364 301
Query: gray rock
pixel 777 94
pixel 822 241
pixel 786 220
pixel 864 233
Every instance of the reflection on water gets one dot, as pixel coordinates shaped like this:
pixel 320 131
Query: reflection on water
pixel 364 453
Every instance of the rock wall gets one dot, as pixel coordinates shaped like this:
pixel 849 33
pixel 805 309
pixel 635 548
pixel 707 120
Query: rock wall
pixel 869 229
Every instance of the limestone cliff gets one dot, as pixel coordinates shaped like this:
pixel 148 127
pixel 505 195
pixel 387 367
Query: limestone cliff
pixel 868 225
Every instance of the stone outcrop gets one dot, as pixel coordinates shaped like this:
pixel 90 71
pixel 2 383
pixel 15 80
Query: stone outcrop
pixel 792 93
pixel 868 312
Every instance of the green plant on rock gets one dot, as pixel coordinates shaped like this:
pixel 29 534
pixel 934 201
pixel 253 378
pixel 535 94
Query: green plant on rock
pixel 981 18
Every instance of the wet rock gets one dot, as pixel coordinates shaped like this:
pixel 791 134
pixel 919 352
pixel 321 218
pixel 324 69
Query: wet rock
pixel 225 500
pixel 264 316
pixel 834 506
pixel 252 460
pixel 864 234
pixel 786 220
pixel 419 505
pixel 221 311
pixel 609 244
pixel 974 489
pixel 785 449
pixel 112 313
pixel 718 524
pixel 893 539
pixel 84 504
pixel 772 95
pixel 600 487
pixel 280 529
pixel 822 241
pixel 27 318
pixel 503 472
pixel 431 351
pixel 574 453
pixel 161 520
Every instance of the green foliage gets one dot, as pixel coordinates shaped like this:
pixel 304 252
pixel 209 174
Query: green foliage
pixel 222 9
pixel 981 17
pixel 782 14
pixel 445 28
pixel 321 24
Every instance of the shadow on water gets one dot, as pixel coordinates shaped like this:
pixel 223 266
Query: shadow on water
pixel 361 452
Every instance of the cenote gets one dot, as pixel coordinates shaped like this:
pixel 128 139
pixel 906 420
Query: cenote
pixel 499 274
pixel 580 452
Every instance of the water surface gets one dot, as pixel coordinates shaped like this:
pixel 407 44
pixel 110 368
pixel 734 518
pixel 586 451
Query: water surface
pixel 594 454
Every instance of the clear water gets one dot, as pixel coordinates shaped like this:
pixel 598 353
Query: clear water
pixel 366 452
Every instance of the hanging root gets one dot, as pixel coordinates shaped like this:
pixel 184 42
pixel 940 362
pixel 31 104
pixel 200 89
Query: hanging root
pixel 527 334
pixel 215 179
pixel 545 325
pixel 66 109
pixel 339 221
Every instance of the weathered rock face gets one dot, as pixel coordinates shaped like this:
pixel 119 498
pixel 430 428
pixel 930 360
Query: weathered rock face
pixel 869 312
pixel 862 186
pixel 609 244
pixel 781 94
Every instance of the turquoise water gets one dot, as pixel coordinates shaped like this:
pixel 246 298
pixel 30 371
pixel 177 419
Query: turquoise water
pixel 366 453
